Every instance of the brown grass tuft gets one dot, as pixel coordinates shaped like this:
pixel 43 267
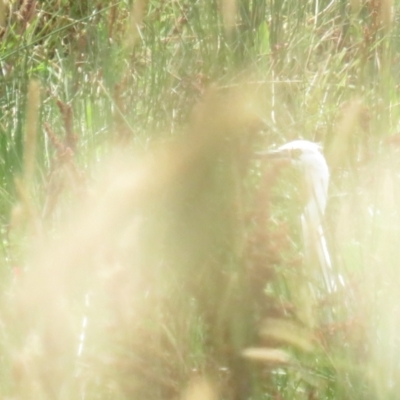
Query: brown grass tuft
pixel 67 115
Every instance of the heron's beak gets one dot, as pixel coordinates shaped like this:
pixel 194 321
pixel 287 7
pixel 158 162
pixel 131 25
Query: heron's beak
pixel 280 158
pixel 274 155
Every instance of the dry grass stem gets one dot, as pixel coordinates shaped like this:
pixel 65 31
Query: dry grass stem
pixel 229 15
pixel 287 332
pixel 137 14
pixel 31 126
pixel 3 14
pixel 273 356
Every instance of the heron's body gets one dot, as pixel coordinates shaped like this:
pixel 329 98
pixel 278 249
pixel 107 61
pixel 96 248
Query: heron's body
pixel 307 157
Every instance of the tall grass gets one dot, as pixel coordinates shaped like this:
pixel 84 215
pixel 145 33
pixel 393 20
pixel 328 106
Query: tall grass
pixel 145 251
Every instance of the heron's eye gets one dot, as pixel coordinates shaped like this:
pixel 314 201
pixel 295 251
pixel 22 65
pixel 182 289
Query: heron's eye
pixel 295 153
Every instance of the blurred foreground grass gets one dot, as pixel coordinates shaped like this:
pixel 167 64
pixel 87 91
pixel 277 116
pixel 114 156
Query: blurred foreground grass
pixel 145 251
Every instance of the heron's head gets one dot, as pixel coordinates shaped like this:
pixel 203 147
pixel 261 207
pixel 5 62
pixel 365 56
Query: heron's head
pixel 302 154
pixel 308 158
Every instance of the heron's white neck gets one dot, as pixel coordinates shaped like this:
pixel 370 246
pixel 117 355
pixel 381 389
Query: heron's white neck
pixel 317 181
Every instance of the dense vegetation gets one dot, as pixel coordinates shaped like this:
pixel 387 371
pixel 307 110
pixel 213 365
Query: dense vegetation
pixel 146 251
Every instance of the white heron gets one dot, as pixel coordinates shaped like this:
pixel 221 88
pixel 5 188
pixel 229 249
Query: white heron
pixel 308 158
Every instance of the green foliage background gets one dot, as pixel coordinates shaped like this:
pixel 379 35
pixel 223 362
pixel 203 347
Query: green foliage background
pixel 204 260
